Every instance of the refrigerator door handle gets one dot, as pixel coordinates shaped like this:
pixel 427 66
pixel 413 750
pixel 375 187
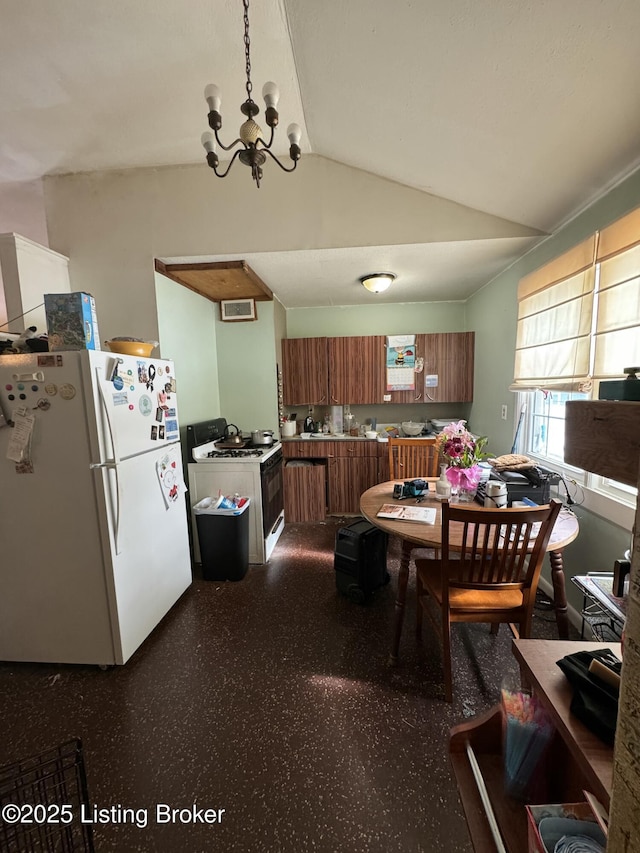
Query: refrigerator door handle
pixel 112 466
pixel 107 415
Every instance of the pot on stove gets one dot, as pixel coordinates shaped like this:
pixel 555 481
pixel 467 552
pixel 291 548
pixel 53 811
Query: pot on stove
pixel 233 438
pixel 261 437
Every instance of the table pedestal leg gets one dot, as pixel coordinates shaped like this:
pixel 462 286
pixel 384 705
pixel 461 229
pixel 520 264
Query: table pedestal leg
pixel 403 579
pixel 559 594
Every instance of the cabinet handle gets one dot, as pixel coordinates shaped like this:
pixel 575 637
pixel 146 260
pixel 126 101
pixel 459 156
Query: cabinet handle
pixel 418 397
pixel 429 397
pixel 321 400
pixel 333 399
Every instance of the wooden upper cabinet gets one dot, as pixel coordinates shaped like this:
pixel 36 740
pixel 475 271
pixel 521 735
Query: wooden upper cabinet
pixel 305 371
pixel 357 370
pixel 449 357
pixel 336 371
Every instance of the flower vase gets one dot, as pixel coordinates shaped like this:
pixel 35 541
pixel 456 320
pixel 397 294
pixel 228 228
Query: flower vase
pixel 467 493
pixel 464 483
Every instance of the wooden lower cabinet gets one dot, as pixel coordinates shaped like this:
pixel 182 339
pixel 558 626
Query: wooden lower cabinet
pixel 348 469
pixel 348 478
pixel 305 492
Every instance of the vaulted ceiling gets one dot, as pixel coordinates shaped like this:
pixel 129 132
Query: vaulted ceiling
pixel 523 109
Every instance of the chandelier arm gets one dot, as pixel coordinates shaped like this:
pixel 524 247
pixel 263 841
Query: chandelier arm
pixel 228 147
pixel 226 172
pixel 284 168
pixel 266 145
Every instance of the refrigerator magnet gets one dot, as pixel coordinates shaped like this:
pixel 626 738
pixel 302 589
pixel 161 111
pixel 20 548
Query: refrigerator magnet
pixel 118 382
pixel 143 376
pixel 159 413
pixel 145 405
pixel 154 432
pixel 67 391
pixel 51 389
pixel 43 404
pixel 161 431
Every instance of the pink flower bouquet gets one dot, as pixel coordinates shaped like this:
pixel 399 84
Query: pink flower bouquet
pixel 463 452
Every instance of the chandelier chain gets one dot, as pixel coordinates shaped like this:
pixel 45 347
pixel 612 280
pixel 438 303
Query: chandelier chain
pixel 247 45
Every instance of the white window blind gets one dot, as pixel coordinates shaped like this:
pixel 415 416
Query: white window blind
pixel 617 333
pixel 555 310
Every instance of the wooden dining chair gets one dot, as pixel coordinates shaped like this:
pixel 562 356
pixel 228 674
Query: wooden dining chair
pixel 412 457
pixel 488 571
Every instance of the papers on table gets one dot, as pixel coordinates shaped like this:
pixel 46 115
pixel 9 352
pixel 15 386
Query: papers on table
pixel 426 515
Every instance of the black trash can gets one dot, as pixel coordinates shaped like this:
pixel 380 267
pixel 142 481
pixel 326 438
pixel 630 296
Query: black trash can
pixel 223 536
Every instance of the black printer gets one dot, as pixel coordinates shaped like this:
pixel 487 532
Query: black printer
pixel 532 483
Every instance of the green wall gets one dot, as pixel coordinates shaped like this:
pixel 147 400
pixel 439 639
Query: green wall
pixel 247 375
pixel 186 326
pixel 382 319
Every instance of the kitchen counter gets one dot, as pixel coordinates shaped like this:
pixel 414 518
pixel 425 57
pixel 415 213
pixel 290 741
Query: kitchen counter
pixel 323 437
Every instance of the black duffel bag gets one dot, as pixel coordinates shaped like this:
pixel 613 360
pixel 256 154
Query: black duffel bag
pixel 595 703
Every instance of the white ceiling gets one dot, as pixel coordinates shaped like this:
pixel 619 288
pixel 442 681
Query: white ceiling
pixel 525 109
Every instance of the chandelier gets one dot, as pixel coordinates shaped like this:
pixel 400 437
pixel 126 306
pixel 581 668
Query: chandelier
pixel 254 149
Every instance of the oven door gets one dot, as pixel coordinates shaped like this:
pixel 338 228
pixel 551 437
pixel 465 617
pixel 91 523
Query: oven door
pixel 272 494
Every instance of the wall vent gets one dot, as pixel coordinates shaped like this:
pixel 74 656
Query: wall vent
pixel 237 309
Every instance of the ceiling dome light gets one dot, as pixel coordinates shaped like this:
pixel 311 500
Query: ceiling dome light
pixel 377 282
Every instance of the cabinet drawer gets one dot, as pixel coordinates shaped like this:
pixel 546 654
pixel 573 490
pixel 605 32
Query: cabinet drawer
pixel 345 449
pixel 305 449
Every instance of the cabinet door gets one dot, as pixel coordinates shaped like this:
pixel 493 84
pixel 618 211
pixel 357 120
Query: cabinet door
pixel 417 395
pixel 384 474
pixel 448 361
pixel 304 371
pixel 347 479
pixel 304 493
pixel 357 370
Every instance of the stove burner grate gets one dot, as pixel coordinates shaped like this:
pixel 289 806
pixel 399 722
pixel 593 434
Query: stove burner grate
pixel 233 454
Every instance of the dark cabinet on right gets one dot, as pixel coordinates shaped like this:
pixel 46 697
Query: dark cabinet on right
pixel 448 367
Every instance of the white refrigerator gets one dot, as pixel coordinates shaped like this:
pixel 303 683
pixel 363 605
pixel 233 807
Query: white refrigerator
pixel 94 546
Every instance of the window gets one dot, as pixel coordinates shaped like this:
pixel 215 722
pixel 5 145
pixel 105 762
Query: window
pixel 578 325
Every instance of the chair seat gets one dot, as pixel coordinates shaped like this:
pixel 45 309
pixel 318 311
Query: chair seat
pixel 429 573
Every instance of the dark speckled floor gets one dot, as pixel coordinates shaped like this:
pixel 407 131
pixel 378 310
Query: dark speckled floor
pixel 272 699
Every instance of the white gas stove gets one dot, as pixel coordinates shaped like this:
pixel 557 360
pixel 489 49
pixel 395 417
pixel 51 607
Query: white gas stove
pixel 248 470
pixel 213 452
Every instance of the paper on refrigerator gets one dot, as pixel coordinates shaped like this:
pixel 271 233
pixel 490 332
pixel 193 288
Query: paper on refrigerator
pixel 20 441
pixel 168 471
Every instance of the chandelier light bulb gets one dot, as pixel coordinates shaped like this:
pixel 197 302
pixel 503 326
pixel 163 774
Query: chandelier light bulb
pixel 294 133
pixel 212 97
pixel 208 142
pixel 271 94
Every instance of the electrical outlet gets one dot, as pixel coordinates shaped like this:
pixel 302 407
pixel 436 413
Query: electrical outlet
pixel 503 413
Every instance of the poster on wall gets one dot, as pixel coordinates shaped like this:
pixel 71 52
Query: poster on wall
pixel 401 362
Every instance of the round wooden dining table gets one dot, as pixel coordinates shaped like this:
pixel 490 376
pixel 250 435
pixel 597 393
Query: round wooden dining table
pixel 416 534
